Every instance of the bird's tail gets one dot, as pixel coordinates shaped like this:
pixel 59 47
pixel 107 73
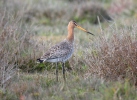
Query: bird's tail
pixel 40 60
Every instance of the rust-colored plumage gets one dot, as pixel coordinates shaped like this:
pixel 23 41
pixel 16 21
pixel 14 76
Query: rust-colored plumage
pixel 62 51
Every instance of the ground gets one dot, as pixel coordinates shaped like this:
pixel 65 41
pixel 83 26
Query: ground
pixel 103 67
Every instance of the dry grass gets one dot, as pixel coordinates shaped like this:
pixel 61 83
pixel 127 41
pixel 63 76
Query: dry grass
pixel 15 44
pixel 114 54
pixel 110 55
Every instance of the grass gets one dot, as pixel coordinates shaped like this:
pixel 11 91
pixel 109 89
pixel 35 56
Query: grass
pixel 102 67
pixel 39 87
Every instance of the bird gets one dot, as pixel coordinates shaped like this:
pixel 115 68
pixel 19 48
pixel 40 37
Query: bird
pixel 61 52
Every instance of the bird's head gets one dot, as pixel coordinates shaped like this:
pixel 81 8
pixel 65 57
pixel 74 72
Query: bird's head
pixel 73 24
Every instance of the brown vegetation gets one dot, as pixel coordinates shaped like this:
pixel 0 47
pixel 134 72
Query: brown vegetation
pixel 110 54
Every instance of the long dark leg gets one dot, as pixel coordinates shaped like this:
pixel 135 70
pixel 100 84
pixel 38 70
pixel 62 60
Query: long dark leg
pixel 63 70
pixel 57 71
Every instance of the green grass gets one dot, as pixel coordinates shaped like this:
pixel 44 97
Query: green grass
pixel 103 67
pixel 42 86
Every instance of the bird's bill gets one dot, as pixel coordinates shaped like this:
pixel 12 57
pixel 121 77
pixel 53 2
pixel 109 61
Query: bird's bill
pixel 79 27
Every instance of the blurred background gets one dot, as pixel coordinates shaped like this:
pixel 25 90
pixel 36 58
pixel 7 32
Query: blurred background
pixel 48 15
pixel 103 67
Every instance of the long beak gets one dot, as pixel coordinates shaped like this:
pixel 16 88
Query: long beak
pixel 83 29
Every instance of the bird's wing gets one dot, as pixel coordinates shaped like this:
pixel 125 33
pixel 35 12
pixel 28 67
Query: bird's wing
pixel 57 51
pixel 59 54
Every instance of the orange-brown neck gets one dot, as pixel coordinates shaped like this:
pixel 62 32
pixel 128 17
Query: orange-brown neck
pixel 70 35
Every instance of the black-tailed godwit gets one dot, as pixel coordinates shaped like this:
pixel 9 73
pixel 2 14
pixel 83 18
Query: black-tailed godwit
pixel 62 51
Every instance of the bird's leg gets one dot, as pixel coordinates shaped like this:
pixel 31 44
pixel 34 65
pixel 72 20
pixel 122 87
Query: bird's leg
pixel 63 70
pixel 57 71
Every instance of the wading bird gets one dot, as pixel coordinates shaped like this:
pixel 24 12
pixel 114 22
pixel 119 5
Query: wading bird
pixel 62 51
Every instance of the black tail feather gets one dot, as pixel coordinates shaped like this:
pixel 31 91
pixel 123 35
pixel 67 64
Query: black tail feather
pixel 39 60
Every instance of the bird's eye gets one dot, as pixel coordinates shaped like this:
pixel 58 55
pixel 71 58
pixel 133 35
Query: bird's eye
pixel 74 22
